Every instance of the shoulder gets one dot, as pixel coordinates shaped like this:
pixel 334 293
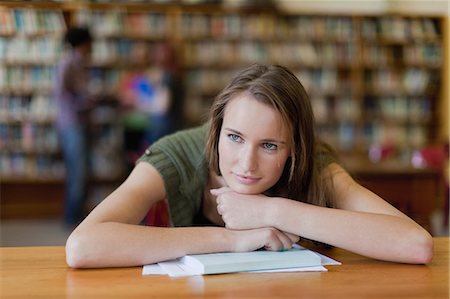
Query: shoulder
pixel 69 62
pixel 180 160
pixel 182 151
pixel 188 141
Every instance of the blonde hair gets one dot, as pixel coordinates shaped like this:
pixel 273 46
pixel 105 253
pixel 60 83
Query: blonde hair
pixel 276 86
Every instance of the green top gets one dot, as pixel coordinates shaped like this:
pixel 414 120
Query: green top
pixel 181 161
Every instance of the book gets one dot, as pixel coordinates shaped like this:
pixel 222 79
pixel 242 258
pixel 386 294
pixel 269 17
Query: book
pixel 177 268
pixel 227 262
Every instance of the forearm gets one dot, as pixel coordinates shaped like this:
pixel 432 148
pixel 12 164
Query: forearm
pixel 379 236
pixel 113 244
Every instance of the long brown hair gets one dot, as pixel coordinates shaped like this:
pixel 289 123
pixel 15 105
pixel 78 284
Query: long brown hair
pixel 278 87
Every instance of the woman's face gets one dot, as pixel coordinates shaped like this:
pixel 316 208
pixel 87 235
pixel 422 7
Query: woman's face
pixel 253 145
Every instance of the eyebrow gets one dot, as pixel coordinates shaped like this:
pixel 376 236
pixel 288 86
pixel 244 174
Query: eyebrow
pixel 264 140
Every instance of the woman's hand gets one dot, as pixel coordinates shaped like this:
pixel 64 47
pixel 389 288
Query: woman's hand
pixel 268 238
pixel 242 211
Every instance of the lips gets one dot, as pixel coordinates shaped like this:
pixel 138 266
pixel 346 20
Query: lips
pixel 246 180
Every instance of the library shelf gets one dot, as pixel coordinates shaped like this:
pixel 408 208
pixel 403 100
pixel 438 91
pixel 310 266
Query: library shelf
pixel 373 79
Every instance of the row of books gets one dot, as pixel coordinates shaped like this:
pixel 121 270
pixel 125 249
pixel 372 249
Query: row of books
pixel 30 21
pixel 103 23
pixel 195 25
pixel 316 81
pixel 408 81
pixel 19 164
pixel 398 108
pixel 415 54
pixel 26 79
pixel 121 52
pixel 106 155
pixel 36 81
pixel 346 136
pixel 401 110
pixel 427 54
pixel 44 165
pixel 325 81
pixel 340 109
pixel 222 53
pixel 28 137
pixel 47 50
pixel 105 80
pixel 341 136
pixel 397 28
pixel 157 24
pixel 266 26
pixel 412 136
pixel 44 49
pixel 107 164
pixel 29 148
pixel 107 138
pixel 116 23
pixel 35 108
pixel 41 109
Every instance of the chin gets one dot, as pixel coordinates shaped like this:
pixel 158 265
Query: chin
pixel 245 189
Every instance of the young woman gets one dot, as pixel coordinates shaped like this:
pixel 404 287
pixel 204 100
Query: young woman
pixel 254 176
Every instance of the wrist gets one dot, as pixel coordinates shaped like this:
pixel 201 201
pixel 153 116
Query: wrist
pixel 272 213
pixel 228 237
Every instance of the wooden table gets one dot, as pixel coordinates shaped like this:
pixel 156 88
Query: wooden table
pixel 42 272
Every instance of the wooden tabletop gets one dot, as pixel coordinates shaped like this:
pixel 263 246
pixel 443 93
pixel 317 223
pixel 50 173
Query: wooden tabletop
pixel 42 272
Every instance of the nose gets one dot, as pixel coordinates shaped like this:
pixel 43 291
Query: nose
pixel 249 159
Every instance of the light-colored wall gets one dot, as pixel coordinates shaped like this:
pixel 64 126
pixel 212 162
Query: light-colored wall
pixel 357 7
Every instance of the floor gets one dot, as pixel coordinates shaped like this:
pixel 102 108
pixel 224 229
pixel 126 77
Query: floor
pixel 53 232
pixel 47 232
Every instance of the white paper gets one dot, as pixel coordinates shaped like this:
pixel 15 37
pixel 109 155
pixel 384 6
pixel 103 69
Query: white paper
pixel 302 269
pixel 326 261
pixel 153 269
pixel 174 268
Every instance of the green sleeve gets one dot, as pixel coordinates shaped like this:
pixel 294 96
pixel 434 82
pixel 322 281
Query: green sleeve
pixel 180 160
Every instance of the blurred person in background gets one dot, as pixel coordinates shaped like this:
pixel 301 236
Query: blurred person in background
pixel 146 99
pixel 73 105
pixel 166 60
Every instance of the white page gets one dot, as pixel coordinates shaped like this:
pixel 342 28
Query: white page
pixel 326 261
pixel 302 269
pixel 174 268
pixel 153 269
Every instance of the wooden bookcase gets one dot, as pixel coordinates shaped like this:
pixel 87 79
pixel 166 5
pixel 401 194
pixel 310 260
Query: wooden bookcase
pixel 374 80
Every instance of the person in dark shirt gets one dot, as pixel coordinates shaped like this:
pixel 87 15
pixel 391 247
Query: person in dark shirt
pixel 73 104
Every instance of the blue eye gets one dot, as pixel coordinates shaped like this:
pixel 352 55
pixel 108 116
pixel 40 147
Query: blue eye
pixel 235 138
pixel 270 146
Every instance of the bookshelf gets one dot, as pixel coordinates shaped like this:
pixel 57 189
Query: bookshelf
pixel 29 48
pixel 402 70
pixel 373 79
